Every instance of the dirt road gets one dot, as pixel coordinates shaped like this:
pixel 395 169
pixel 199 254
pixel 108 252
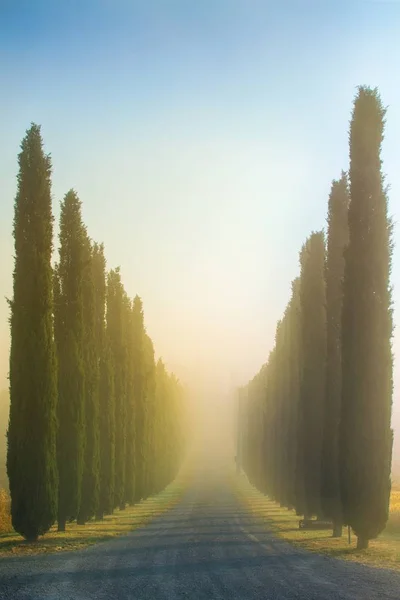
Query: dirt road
pixel 207 547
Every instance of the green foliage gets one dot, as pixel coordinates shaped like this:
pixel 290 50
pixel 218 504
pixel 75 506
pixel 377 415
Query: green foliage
pixel 365 434
pixel 106 416
pixel 69 336
pixel 313 367
pixel 269 407
pixel 138 374
pixel 130 463
pixel 151 415
pixel 90 427
pixel 107 430
pixel 91 362
pixel 315 423
pixel 31 458
pixel 334 269
pixel 116 332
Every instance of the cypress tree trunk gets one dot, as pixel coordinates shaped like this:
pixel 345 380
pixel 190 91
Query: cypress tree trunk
pixel 31 456
pixel 334 269
pixel 362 542
pixel 68 318
pixel 365 434
pixel 337 528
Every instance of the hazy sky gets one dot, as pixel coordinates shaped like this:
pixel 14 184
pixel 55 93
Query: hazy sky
pixel 202 138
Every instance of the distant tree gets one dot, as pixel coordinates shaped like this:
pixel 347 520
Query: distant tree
pixel 277 405
pixel 107 430
pixel 130 463
pixel 313 364
pixel 365 434
pixel 138 373
pixel 151 416
pixel 31 458
pixel 161 434
pixel 91 362
pixel 293 323
pixel 269 417
pixel 106 386
pixel 336 242
pixel 117 338
pixel 69 336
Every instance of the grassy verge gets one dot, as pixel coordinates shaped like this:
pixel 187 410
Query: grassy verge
pixel 80 536
pixel 383 552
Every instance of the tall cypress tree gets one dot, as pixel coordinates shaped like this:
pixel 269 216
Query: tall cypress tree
pixel 336 242
pixel 161 433
pixel 365 434
pixel 313 356
pixel 117 337
pixel 293 386
pixel 90 478
pixel 130 463
pixel 150 416
pixel 31 458
pixel 69 336
pixel 107 387
pixel 138 371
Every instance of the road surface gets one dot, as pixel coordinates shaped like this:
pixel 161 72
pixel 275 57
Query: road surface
pixel 207 547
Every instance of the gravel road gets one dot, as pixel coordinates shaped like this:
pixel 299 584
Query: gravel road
pixel 207 547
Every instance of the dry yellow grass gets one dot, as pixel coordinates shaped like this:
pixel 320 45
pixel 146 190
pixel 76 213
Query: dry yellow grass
pixel 393 526
pixel 80 536
pixel 383 552
pixel 5 519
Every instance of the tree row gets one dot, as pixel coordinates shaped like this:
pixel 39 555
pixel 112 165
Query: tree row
pixel 95 422
pixel 316 420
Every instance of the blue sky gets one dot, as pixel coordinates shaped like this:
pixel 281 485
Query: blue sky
pixel 202 138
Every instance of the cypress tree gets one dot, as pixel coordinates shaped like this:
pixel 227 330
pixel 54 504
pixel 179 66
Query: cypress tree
pixel 268 451
pixel 277 405
pixel 138 373
pixel 130 463
pixel 150 416
pixel 336 242
pixel 90 478
pixel 31 457
pixel 162 432
pixel 116 332
pixel 313 356
pixel 106 419
pixel 365 434
pixel 107 404
pixel 293 391
pixel 69 336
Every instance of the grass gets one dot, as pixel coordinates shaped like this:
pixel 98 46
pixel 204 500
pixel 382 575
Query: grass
pixel 80 536
pixel 5 518
pixel 383 552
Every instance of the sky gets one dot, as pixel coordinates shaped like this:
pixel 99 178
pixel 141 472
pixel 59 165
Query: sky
pixel 202 139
